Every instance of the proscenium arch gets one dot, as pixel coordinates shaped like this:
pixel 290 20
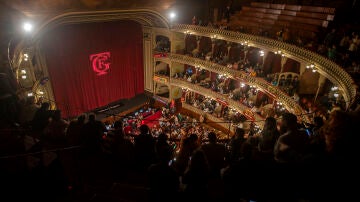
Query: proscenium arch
pixel 145 17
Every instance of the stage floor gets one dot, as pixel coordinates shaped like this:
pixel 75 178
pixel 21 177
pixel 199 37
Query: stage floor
pixel 116 108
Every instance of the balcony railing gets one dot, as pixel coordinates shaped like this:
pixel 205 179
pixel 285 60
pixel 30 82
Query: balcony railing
pixel 246 111
pixel 326 67
pixel 260 83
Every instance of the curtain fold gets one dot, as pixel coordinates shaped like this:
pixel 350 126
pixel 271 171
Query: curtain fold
pixel 91 65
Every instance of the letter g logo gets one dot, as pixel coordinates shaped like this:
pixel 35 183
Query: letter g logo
pixel 100 62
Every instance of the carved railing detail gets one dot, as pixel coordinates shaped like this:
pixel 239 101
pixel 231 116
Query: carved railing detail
pixel 246 111
pixel 260 83
pixel 326 67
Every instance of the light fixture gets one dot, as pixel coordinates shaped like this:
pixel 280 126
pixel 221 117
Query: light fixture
pixel 27 27
pixel 312 67
pixel 261 53
pixel 172 15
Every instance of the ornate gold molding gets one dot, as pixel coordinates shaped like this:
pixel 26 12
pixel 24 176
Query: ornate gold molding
pixel 214 95
pixel 260 83
pixel 326 67
pixel 146 17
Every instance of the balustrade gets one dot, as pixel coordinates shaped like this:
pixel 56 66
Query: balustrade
pixel 325 66
pixel 260 83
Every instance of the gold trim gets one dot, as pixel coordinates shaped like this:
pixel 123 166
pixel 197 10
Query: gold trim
pixel 326 67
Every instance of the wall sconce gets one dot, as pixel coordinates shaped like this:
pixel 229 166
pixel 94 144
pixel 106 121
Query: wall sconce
pixel 312 67
pixel 261 53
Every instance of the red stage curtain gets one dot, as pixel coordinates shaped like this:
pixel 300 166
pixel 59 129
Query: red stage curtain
pixel 77 87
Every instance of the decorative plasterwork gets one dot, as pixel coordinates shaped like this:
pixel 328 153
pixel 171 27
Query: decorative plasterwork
pixel 145 17
pixel 326 67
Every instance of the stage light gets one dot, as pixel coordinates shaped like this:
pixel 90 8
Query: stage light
pixel 27 27
pixel 172 15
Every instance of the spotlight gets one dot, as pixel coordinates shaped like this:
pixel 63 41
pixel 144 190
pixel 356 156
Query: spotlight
pixel 172 15
pixel 27 27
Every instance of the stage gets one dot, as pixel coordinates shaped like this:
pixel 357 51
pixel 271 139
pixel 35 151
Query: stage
pixel 118 108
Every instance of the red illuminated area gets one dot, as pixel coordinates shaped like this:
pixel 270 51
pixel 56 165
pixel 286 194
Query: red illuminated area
pixel 100 62
pixel 160 55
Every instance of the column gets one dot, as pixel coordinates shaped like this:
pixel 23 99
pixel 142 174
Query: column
pixel 283 61
pixel 263 54
pixel 321 83
pixel 212 48
pixel 302 68
pixel 228 49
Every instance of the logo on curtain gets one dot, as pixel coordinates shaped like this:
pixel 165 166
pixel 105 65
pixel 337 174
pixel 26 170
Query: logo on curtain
pixel 100 62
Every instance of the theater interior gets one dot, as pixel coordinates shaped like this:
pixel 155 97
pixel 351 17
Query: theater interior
pixel 175 100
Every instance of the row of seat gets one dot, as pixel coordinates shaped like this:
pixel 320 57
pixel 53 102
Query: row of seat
pixel 302 21
pixel 320 16
pixel 286 15
pixel 282 22
pixel 254 26
pixel 311 9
